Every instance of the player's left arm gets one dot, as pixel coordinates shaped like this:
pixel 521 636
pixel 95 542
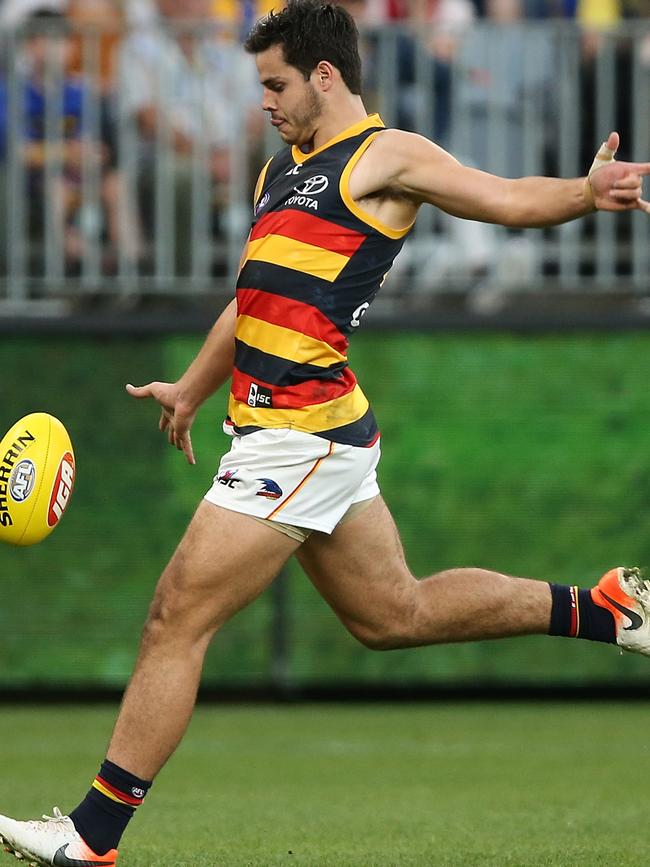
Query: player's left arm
pixel 417 168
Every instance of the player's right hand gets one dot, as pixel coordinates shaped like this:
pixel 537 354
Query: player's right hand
pixel 176 417
pixel 616 186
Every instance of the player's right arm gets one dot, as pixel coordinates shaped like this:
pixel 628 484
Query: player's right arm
pixel 411 168
pixel 181 400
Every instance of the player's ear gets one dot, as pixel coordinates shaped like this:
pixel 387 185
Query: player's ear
pixel 324 74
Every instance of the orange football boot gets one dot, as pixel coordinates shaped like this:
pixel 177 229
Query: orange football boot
pixel 626 594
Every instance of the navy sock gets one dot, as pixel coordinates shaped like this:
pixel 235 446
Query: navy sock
pixel 575 614
pixel 101 818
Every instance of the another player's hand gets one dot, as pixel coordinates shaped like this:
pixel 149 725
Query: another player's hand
pixel 176 415
pixel 616 186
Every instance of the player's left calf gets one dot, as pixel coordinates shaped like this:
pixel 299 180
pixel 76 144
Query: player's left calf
pixel 616 611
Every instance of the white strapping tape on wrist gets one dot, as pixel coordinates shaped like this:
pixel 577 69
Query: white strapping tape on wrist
pixel 604 156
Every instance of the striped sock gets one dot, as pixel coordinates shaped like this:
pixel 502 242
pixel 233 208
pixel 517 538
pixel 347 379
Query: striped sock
pixel 574 614
pixel 103 815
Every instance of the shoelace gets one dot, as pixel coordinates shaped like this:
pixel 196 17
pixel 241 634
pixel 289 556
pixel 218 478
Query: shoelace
pixel 62 823
pixel 636 577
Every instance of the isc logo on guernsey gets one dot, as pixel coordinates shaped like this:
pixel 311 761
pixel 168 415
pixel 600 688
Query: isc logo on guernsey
pixel 259 396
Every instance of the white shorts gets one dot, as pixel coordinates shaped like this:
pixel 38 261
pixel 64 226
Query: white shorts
pixel 294 478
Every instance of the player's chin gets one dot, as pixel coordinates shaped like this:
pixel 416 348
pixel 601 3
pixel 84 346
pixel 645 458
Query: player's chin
pixel 287 136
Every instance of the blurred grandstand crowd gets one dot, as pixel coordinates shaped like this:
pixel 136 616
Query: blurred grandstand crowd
pixel 84 80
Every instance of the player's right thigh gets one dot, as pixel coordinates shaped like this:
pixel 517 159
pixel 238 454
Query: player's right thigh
pixel 223 562
pixel 360 570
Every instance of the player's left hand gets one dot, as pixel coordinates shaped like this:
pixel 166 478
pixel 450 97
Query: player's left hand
pixel 616 186
pixel 176 416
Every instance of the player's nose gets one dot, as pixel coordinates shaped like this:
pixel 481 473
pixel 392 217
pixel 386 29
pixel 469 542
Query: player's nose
pixel 268 103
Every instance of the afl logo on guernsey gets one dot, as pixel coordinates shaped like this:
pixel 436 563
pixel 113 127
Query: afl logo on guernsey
pixel 263 202
pixel 313 186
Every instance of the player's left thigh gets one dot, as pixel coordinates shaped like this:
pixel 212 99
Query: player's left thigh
pixel 361 572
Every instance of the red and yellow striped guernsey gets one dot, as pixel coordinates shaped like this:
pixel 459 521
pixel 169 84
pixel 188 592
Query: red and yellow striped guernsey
pixel 313 264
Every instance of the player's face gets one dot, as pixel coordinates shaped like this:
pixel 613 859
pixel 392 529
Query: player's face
pixel 292 102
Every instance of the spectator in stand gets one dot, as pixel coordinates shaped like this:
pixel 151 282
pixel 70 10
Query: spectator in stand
pixel 13 13
pixel 502 71
pixel 430 20
pixel 599 22
pixel 141 13
pixel 640 9
pixel 440 24
pixel 180 85
pixel 97 29
pixel 636 8
pixel 368 48
pixel 51 96
pixel 240 15
pixel 499 73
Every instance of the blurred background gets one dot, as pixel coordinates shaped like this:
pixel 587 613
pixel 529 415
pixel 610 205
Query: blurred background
pixel 508 369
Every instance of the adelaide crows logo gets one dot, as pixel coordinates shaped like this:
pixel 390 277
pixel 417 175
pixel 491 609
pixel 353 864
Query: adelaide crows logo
pixel 270 489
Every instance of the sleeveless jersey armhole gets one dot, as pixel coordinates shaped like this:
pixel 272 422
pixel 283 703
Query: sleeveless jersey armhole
pixel 355 208
pixel 259 186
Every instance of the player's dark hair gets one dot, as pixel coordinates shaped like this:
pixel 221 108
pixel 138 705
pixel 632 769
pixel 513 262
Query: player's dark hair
pixel 310 31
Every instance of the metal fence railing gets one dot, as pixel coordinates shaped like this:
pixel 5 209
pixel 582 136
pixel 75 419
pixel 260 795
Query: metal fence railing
pixel 138 181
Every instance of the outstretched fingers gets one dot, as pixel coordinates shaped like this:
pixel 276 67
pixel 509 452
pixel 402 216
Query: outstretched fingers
pixel 183 443
pixel 174 420
pixel 139 391
pixel 180 439
pixel 626 195
pixel 628 190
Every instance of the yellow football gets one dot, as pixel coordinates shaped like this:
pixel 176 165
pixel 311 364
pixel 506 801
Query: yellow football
pixel 37 471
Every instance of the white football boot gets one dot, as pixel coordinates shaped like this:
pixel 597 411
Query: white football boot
pixel 52 842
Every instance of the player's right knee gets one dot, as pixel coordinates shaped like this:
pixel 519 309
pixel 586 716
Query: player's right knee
pixel 178 612
pixel 166 624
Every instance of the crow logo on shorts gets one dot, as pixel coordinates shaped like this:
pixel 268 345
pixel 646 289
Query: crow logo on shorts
pixel 270 489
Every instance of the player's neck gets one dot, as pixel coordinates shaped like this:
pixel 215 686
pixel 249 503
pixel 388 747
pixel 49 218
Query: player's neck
pixel 335 119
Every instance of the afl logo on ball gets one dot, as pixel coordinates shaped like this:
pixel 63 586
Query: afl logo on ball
pixel 21 481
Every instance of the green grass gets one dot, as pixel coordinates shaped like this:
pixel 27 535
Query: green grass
pixel 329 786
